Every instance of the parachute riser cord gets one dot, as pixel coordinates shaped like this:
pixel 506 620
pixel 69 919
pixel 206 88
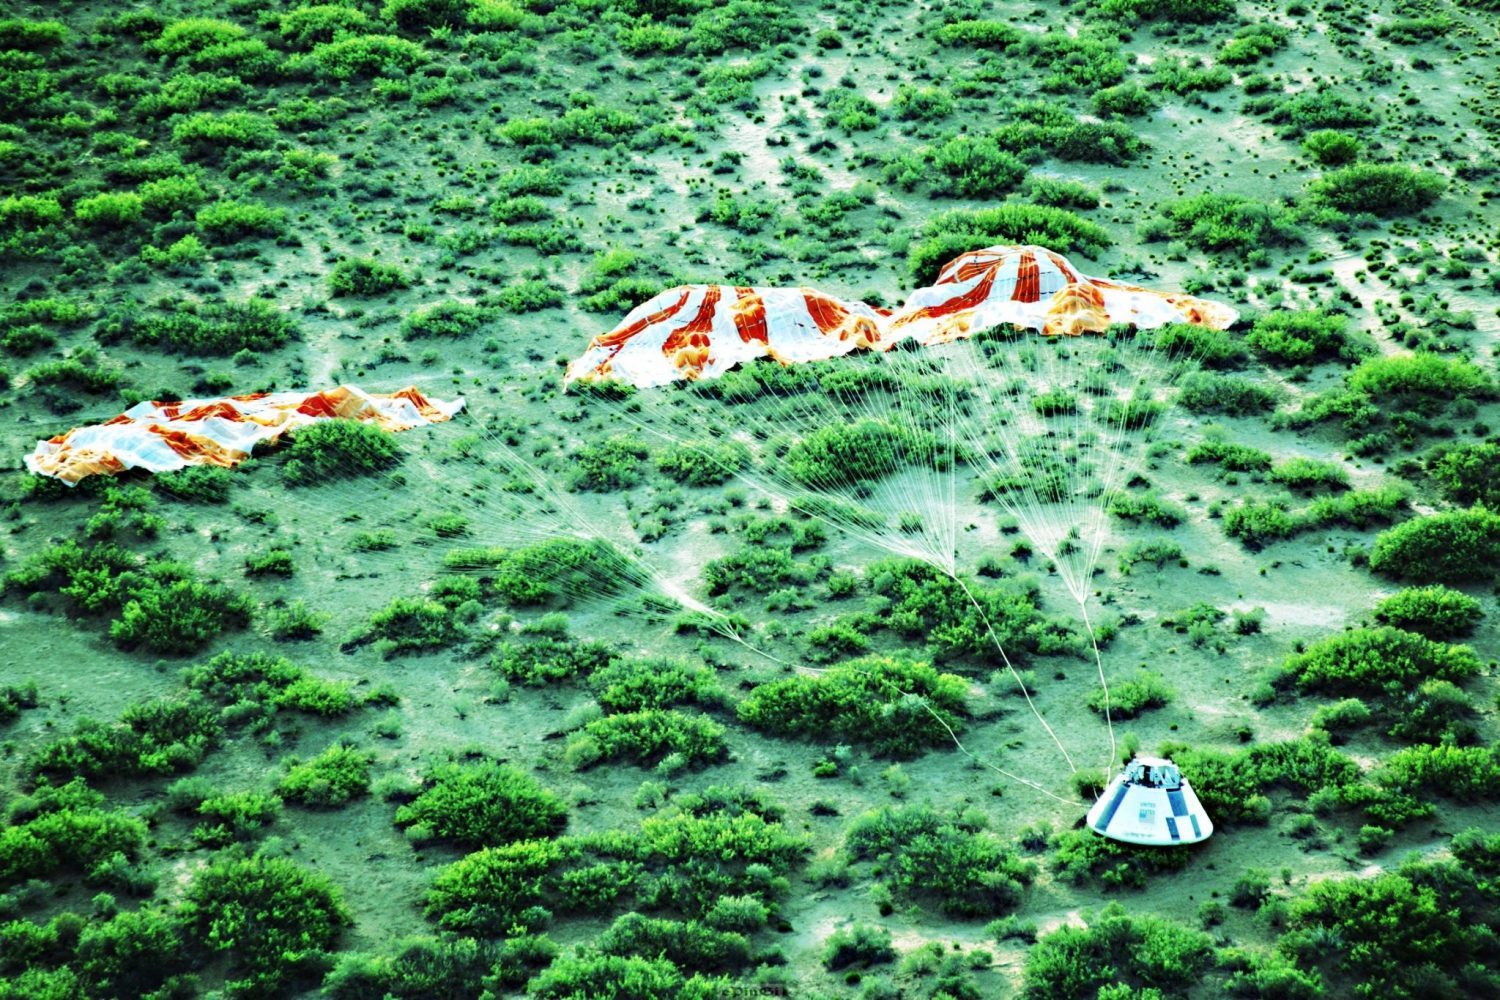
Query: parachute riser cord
pixel 1015 674
pixel 1109 771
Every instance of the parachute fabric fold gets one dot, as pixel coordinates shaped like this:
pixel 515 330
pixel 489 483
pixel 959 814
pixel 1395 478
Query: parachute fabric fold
pixel 697 332
pixel 1034 288
pixel 161 437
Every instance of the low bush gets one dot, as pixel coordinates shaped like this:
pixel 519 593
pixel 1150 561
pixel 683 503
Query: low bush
pixel 1227 224
pixel 414 624
pixel 686 944
pixel 419 967
pixel 707 463
pixel 1317 108
pixel 233 221
pixel 1332 148
pixel 330 451
pixel 634 685
pixel 1440 548
pixel 649 737
pixel 64 828
pixel 964 870
pixel 556 570
pixel 1215 392
pixel 1381 660
pixel 1149 508
pixel 1147 953
pixel 364 276
pixel 842 455
pixel 367 55
pixel 446 319
pixel 483 804
pixel 1304 338
pixel 1436 612
pixel 1259 523
pixel 609 465
pixel 1379 188
pixel 1131 697
pixel 894 706
pixel 585 974
pixel 114 211
pixel 152 737
pixel 543 659
pixel 1308 475
pixel 1231 457
pixel 859 945
pixel 332 778
pixel 274 919
pixel 1083 856
pixel 949 234
pixel 208 328
pixel 1466 473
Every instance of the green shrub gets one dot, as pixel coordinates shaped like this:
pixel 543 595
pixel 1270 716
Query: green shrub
pixel 707 463
pixel 609 465
pixel 332 778
pixel 1467 774
pixel 895 706
pixel 1215 392
pixel 1180 11
pixel 1440 548
pixel 965 871
pixel 1417 377
pixel 204 483
pixel 231 221
pixel 410 624
pixel 332 450
pixel 495 890
pixel 208 328
pixel 1436 612
pixel 1129 698
pixel 995 35
pixel 748 24
pixel 549 658
pixel 558 569
pixel 1379 188
pixel 844 454
pixel 1304 337
pixel 422 966
pixel 65 828
pixel 647 737
pixel 687 944
pixel 1083 62
pixel 590 975
pixel 530 295
pixel 109 211
pixel 273 918
pixel 1231 457
pixel 15 697
pixel 483 805
pixel 1252 43
pixel 131 954
pixel 1354 918
pixel 368 55
pixel 1227 224
pixel 860 945
pixel 234 817
pixel 1332 148
pixel 1129 100
pixel 631 685
pixel 1319 108
pixel 446 319
pixel 1309 474
pixel 1152 509
pixel 1466 473
pixel 1186 76
pixel 316 696
pixel 22 35
pixel 962 167
pixel 152 737
pixel 362 276
pixel 1083 855
pixel 949 234
pixel 1381 660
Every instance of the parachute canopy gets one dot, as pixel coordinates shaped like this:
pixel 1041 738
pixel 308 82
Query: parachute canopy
pixel 701 331
pixel 1150 803
pixel 160 437
pixel 695 332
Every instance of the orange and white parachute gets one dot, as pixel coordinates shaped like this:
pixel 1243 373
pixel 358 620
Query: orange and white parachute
pixel 701 331
pixel 161 437
pixel 1035 288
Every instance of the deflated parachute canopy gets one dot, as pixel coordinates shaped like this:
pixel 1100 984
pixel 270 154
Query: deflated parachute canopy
pixel 701 331
pixel 1033 288
pixel 160 437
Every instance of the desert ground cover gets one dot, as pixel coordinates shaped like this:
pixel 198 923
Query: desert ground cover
pixel 657 694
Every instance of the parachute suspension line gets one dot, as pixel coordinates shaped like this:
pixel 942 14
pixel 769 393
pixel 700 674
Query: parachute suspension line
pixel 1109 722
pixel 984 763
pixel 1015 674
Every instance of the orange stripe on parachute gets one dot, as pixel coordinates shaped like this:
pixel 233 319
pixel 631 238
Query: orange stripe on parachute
pixel 687 346
pixel 1028 279
pixel 750 317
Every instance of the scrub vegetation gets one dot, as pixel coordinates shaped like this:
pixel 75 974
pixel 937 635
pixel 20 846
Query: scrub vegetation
pixel 338 721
